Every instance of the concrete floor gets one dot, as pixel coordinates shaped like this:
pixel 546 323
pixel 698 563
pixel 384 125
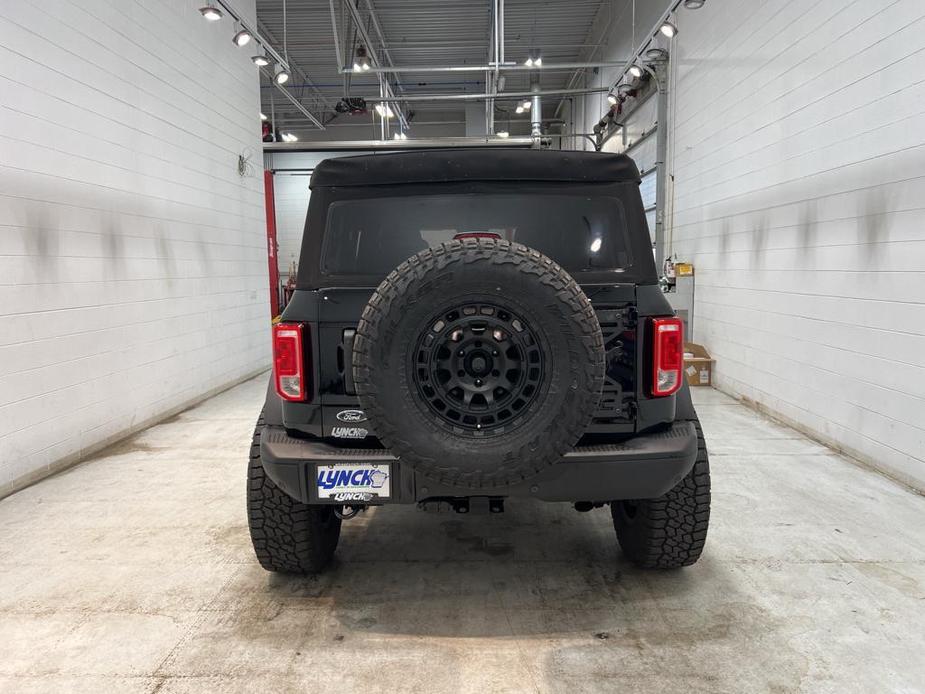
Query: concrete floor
pixel 134 572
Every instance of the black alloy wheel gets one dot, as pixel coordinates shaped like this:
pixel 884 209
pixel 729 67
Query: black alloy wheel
pixel 477 367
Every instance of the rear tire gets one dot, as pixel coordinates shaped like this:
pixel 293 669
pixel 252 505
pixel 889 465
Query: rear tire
pixel 670 531
pixel 288 536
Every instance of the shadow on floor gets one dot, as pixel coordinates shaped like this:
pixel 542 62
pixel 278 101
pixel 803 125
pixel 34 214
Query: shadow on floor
pixel 538 569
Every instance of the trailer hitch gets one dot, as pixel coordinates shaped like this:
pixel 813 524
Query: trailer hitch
pixel 348 512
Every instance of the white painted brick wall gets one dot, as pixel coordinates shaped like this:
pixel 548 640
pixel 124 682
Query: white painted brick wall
pixel 798 156
pixel 132 255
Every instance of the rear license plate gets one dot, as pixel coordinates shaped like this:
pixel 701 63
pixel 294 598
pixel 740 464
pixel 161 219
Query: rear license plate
pixel 354 481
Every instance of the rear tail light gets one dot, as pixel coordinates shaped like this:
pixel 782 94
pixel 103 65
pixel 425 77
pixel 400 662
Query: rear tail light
pixel 667 355
pixel 289 360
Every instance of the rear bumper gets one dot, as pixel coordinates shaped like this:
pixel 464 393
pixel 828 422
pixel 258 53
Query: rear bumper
pixel 643 467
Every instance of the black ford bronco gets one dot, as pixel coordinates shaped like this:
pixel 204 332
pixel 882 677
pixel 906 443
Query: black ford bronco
pixel 471 326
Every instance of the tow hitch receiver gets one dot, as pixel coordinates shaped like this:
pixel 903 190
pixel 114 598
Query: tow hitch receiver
pixel 463 504
pixel 348 512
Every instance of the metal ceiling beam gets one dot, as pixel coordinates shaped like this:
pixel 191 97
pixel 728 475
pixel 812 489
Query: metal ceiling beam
pixel 364 35
pixel 600 29
pixel 334 30
pixel 375 20
pixel 495 40
pixel 388 56
pixel 263 41
pixel 236 16
pixel 295 68
pixel 492 65
pixel 501 96
pixel 652 36
pixel 423 143
pixel 295 102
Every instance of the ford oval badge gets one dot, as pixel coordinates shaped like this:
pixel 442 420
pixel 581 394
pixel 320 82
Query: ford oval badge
pixel 351 416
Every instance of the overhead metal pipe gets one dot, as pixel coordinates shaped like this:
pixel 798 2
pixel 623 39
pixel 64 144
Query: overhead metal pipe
pixel 422 143
pixel 501 96
pixel 490 66
pixel 269 50
pixel 648 42
pixel 661 157
pixel 491 78
pixel 335 32
pixel 258 39
pixel 295 69
pixel 364 35
pixel 500 58
pixel 295 102
pixel 385 49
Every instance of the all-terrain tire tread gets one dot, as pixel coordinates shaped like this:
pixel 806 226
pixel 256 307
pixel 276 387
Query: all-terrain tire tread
pixel 288 536
pixel 670 531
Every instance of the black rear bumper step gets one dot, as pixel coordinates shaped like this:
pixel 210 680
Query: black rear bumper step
pixel 642 467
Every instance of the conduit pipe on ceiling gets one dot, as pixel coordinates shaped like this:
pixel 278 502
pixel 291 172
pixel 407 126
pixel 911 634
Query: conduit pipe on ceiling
pixel 491 97
pixel 492 65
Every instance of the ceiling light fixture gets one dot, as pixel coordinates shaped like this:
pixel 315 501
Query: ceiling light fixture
pixel 635 70
pixel 527 104
pixel 519 109
pixel 502 133
pixel 612 99
pixel 361 61
pixel 529 62
pixel 694 4
pixel 280 74
pixel 242 37
pixel 260 60
pixel 668 29
pixel 211 12
pixel 289 137
pixel 263 116
pixel 384 111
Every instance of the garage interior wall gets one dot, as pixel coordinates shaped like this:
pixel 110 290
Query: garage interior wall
pixel 132 254
pixel 797 150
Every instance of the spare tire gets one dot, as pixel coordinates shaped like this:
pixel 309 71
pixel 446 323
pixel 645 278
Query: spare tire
pixel 479 363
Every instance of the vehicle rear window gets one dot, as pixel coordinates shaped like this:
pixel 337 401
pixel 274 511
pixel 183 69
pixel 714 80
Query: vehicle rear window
pixel 372 236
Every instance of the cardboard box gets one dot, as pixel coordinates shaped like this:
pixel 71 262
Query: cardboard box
pixel 698 365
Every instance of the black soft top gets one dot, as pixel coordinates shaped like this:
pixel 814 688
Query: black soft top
pixel 495 164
